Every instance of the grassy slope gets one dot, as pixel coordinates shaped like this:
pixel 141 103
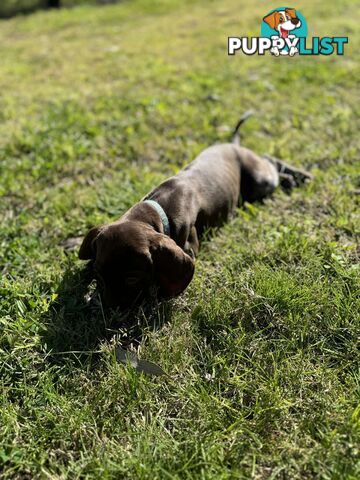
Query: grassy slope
pixel 97 106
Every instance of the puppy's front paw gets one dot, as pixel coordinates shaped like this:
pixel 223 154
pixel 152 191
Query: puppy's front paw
pixel 293 50
pixel 275 51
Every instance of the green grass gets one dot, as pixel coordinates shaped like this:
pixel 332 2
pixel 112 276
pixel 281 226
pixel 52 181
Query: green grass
pixel 98 105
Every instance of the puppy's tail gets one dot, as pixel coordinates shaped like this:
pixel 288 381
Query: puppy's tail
pixel 236 135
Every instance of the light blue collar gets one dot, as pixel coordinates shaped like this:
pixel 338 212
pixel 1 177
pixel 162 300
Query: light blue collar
pixel 163 216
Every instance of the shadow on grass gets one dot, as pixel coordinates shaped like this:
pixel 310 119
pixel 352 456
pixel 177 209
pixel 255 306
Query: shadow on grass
pixel 13 10
pixel 77 323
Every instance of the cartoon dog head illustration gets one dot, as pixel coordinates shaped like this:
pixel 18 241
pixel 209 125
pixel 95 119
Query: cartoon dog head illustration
pixel 283 21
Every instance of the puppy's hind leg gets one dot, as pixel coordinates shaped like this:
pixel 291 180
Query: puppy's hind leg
pixel 289 176
pixel 259 177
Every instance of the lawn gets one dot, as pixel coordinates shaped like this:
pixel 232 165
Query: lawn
pixel 100 104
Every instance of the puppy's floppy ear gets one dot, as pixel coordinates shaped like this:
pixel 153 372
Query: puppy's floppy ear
pixel 291 12
pixel 173 267
pixel 271 19
pixel 87 250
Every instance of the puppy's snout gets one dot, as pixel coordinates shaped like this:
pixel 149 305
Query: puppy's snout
pixel 295 21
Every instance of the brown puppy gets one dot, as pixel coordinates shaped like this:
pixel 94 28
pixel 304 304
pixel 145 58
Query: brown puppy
pixel 155 242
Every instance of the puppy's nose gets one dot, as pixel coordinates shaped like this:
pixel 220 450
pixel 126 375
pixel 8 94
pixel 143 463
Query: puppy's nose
pixel 294 21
